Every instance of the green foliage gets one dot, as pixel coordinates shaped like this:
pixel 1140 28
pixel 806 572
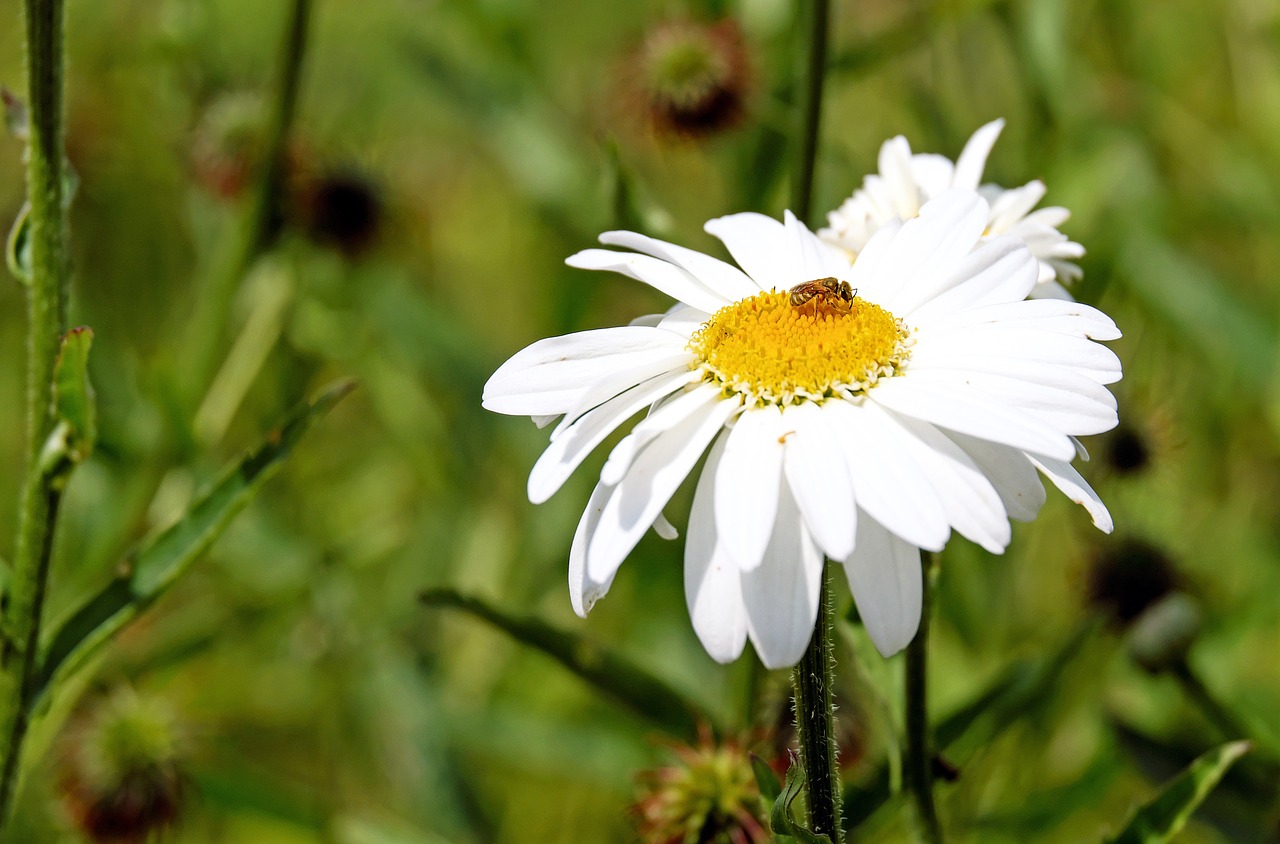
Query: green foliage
pixel 75 414
pixel 1163 817
pixel 149 572
pixel 613 675
pixel 324 705
pixel 781 817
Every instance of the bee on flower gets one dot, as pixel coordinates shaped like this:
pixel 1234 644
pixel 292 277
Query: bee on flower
pixel 862 427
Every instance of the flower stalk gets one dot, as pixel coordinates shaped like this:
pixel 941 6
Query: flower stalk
pixel 813 680
pixel 47 309
pixel 262 223
pixel 919 763
pixel 815 18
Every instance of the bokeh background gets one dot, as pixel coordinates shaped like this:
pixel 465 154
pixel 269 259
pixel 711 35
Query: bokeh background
pixel 444 159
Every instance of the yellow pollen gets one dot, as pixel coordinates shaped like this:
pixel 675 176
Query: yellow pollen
pixel 773 352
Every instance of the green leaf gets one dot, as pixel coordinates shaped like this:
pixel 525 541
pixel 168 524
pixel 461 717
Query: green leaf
pixel 17 252
pixel 781 820
pixel 766 779
pixel 75 428
pixel 1162 818
pixel 148 572
pixel 609 672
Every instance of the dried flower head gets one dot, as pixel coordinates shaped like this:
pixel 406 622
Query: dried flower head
pixel 690 79
pixel 341 209
pixel 121 775
pixel 1128 576
pixel 708 797
pixel 228 144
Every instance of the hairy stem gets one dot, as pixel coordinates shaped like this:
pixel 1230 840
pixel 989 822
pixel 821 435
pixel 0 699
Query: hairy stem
pixel 919 767
pixel 46 309
pixel 813 680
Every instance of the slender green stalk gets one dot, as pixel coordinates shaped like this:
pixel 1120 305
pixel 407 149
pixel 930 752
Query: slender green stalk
pixel 1214 712
pixel 47 308
pixel 813 681
pixel 261 225
pixel 919 767
pixel 815 22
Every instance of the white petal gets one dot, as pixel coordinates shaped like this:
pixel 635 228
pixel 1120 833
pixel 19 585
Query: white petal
pixel 887 482
pixel 865 277
pixel 663 528
pixel 1066 478
pixel 712 585
pixel 570 448
pixel 684 320
pixel 932 173
pixel 925 396
pixel 724 279
pixel 781 595
pixel 1001 269
pixel 1009 472
pixel 670 279
pixel 990 348
pixel 666 413
pixel 929 248
pixel 819 479
pixel 1051 290
pixel 758 244
pixel 548 377
pixel 1013 205
pixel 810 257
pixel 973 158
pixel 886 580
pixel 618 382
pixel 583 591
pixel 900 183
pixel 1053 216
pixel 649 483
pixel 1058 397
pixel 747 482
pixel 1050 315
pixel 972 504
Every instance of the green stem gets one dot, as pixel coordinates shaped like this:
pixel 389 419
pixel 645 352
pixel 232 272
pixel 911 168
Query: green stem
pixel 919 767
pixel 814 27
pixel 261 225
pixel 813 680
pixel 46 307
pixel 1214 712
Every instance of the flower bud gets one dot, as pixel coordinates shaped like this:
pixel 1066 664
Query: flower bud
pixel 692 79
pixel 121 775
pixel 709 795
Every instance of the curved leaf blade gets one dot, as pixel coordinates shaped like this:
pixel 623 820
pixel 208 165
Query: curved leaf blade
pixel 609 672
pixel 147 573
pixel 1163 817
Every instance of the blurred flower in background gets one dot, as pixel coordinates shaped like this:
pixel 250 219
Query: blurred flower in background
pixel 690 80
pixel 121 777
pixel 341 209
pixel 905 182
pixel 709 796
pixel 228 143
pixel 858 427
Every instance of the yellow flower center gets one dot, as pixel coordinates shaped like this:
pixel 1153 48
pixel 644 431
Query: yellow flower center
pixel 771 350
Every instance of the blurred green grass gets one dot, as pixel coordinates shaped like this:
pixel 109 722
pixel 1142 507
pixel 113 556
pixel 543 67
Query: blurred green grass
pixel 321 703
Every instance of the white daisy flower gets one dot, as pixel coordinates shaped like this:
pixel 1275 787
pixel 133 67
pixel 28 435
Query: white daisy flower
pixel 905 182
pixel 856 427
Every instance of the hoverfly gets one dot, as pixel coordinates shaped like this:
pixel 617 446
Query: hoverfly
pixel 823 293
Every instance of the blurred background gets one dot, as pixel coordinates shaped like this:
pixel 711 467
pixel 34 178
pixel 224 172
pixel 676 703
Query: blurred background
pixel 443 160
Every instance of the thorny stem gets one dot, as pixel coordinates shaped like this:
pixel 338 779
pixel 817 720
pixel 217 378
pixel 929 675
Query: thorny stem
pixel 919 767
pixel 813 680
pixel 46 308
